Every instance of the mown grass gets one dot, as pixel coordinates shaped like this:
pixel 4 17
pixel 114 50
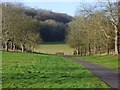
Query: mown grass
pixel 110 61
pixel 53 48
pixel 26 70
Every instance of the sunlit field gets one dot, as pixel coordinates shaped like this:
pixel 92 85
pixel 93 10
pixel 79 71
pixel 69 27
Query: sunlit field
pixel 53 48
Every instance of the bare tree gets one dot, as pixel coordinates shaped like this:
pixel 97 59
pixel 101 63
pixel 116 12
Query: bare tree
pixel 110 14
pixel 18 29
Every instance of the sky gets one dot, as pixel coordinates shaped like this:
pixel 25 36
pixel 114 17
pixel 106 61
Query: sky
pixel 61 6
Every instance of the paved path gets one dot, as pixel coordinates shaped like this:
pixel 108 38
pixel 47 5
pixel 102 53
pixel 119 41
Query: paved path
pixel 109 76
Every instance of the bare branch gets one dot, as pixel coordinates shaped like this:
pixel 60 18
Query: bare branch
pixel 111 12
pixel 101 28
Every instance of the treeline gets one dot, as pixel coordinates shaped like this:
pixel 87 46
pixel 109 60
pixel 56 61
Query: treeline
pixel 52 26
pixel 18 30
pixel 42 15
pixel 96 30
pixel 24 27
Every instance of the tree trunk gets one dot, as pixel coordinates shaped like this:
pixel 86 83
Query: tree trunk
pixel 11 45
pixel 89 49
pixel 85 52
pixel 116 40
pixel 108 49
pixel 22 47
pixel 118 28
pixel 33 49
pixel 96 50
pixel 78 49
pixel 118 46
pixel 100 50
pixel 6 45
pixel 81 51
pixel 14 47
pixel 118 33
pixel 119 39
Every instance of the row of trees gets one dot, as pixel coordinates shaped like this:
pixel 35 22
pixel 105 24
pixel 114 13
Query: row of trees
pixel 18 30
pixel 96 30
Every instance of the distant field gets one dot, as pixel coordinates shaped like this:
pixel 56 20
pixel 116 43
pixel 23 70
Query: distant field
pixel 110 61
pixel 25 70
pixel 53 48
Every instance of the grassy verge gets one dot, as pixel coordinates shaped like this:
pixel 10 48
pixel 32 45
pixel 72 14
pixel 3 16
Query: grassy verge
pixel 25 70
pixel 110 61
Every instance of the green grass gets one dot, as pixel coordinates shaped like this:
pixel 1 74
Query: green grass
pixel 110 61
pixel 25 70
pixel 53 48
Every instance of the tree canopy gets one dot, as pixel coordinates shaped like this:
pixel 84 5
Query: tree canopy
pixel 95 29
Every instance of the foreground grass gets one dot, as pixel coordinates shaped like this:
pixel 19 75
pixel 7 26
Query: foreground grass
pixel 110 61
pixel 25 70
pixel 53 48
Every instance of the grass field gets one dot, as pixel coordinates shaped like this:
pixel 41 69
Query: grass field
pixel 53 48
pixel 26 70
pixel 110 61
pixel 105 60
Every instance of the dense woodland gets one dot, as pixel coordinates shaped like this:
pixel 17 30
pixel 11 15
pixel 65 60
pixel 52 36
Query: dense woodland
pixel 93 30
pixel 52 26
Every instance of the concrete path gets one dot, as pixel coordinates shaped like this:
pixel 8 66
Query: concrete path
pixel 107 75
